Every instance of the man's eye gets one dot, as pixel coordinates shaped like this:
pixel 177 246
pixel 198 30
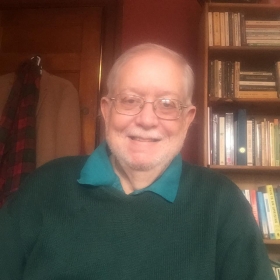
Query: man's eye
pixel 168 104
pixel 129 101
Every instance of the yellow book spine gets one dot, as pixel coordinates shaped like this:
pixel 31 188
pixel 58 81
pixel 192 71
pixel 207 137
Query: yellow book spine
pixel 272 205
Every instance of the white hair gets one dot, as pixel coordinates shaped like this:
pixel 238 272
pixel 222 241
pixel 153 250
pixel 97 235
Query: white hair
pixel 188 76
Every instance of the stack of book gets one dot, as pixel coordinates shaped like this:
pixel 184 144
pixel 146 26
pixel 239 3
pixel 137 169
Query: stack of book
pixel 262 32
pixel 238 139
pixel 228 80
pixel 257 84
pixel 276 268
pixel 265 202
pixel 226 29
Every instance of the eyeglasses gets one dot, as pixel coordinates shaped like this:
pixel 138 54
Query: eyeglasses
pixel 131 105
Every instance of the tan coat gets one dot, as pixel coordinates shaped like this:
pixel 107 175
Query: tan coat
pixel 58 124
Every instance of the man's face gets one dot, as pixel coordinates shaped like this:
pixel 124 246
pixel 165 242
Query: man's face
pixel 143 142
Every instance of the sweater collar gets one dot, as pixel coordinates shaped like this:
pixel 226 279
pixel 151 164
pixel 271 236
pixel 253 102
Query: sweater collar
pixel 166 185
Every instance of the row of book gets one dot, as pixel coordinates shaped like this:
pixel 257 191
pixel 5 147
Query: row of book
pixel 265 203
pixel 232 29
pixel 276 268
pixel 236 139
pixel 227 79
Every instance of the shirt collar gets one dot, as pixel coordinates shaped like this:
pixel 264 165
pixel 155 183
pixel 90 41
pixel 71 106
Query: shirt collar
pixel 98 171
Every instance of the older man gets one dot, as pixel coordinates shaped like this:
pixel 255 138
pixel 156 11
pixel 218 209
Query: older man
pixel 133 209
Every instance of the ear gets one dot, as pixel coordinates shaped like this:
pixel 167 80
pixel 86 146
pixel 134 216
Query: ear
pixel 189 116
pixel 105 108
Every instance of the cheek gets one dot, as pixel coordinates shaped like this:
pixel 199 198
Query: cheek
pixel 118 122
pixel 174 128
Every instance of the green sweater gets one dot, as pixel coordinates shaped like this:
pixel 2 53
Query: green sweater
pixel 54 228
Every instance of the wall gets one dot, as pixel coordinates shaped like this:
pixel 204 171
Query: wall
pixel 173 23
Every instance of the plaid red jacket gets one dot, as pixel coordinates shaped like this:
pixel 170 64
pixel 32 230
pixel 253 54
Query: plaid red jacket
pixel 18 129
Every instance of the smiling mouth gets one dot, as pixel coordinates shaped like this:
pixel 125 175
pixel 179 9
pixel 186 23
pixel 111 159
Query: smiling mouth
pixel 140 139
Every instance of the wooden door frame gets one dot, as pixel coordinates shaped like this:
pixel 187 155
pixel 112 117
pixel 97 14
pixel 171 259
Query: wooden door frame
pixel 110 41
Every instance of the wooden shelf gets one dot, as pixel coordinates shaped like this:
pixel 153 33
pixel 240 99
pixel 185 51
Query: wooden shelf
pixel 271 241
pixel 243 168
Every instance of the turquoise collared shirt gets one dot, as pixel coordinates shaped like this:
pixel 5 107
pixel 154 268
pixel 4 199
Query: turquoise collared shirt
pixel 98 171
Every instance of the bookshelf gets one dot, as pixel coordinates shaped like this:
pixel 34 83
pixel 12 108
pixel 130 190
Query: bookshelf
pixel 261 58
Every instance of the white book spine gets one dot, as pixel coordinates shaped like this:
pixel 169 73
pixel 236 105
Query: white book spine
pixel 221 140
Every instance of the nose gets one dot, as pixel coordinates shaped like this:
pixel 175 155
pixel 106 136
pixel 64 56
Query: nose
pixel 147 117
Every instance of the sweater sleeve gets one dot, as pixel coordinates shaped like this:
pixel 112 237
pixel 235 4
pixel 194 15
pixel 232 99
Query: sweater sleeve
pixel 241 253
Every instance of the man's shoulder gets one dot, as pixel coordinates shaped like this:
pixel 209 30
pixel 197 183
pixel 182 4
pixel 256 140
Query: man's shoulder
pixel 203 177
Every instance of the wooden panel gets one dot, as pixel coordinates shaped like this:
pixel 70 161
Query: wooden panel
pixel 41 39
pixel 90 57
pixel 51 62
pixel 69 43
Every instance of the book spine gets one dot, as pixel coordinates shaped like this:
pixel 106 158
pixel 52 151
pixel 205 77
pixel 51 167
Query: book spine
pixel 277 73
pixel 258 23
pixel 249 142
pixel 241 144
pixel 210 29
pixel 269 217
pixel 257 94
pixel 272 144
pixel 258 145
pixel 236 77
pixel 276 142
pixel 257 77
pixel 256 88
pixel 257 83
pixel 215 142
pixel 211 79
pixel 226 29
pixel 221 140
pixel 253 199
pixel 229 119
pixel 243 30
pixel 272 205
pixel 216 29
pixel 222 29
pixel 262 215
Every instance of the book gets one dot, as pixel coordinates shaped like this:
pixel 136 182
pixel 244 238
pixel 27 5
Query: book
pixel 222 150
pixel 249 142
pixel 257 94
pixel 277 73
pixel 258 23
pixel 256 88
pixel 257 83
pixel 272 205
pixel 253 200
pixel 229 141
pixel 256 77
pixel 272 144
pixel 215 139
pixel 276 142
pixel 216 29
pixel 262 215
pixel 247 195
pixel 258 145
pixel 236 77
pixel 210 29
pixel 222 29
pixel 241 137
pixel 226 28
pixel 268 215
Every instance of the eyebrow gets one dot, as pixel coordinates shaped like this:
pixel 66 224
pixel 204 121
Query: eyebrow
pixel 137 91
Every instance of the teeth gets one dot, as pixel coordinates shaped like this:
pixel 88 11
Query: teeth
pixel 143 139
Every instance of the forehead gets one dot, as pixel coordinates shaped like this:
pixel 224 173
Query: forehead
pixel 151 72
